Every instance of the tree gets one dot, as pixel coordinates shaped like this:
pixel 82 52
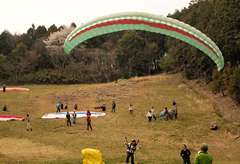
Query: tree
pixel 17 52
pixel 218 85
pixel 26 63
pixel 53 28
pixel 234 85
pixel 41 31
pixel 150 56
pixel 73 25
pixel 54 44
pixel 129 52
pixel 5 47
pixel 224 28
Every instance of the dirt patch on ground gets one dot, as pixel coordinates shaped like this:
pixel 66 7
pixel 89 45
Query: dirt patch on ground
pixel 23 149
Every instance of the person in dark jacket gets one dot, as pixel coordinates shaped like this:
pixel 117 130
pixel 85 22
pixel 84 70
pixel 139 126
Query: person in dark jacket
pixel 132 147
pixel 113 107
pixel 103 107
pixel 68 119
pixel 5 108
pixel 66 106
pixel 185 154
pixel 4 87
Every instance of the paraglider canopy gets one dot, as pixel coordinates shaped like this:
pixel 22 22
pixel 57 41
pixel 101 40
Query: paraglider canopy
pixel 148 22
pixel 92 156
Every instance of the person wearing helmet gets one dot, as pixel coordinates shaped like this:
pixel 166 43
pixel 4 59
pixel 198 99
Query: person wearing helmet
pixel 132 147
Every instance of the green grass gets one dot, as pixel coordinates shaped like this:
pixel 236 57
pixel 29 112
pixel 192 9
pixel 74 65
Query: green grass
pixel 51 141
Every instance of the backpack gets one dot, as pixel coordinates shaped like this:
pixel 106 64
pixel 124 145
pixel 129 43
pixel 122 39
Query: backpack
pixel 213 127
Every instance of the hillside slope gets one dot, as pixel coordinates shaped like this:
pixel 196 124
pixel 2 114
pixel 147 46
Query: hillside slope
pixel 51 141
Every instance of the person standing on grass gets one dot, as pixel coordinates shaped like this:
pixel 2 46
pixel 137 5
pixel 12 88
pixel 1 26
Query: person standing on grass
pixel 61 105
pixel 149 115
pixel 89 122
pixel 185 154
pixel 203 157
pixel 153 113
pixel 131 109
pixel 68 119
pixel 113 107
pixel 88 113
pixel 58 107
pixel 175 112
pixel 74 117
pixel 166 114
pixel 4 87
pixel 132 147
pixel 28 123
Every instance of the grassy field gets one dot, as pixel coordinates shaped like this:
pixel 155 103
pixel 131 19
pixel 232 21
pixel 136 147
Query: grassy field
pixel 51 141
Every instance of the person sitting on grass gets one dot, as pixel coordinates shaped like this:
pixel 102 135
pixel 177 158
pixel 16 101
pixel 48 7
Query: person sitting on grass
pixel 103 107
pixel 75 107
pixel 173 102
pixel 5 108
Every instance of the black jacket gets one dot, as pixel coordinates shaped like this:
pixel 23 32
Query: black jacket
pixel 185 156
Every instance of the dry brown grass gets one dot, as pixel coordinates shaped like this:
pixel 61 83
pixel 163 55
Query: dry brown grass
pixel 51 141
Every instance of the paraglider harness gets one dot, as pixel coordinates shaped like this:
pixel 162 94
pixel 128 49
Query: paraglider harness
pixel 134 146
pixel 213 127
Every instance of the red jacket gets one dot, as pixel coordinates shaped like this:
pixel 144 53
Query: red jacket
pixel 88 119
pixel 166 112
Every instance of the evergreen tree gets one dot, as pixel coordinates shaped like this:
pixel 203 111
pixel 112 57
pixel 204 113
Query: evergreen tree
pixel 129 53
pixel 218 85
pixel 234 85
pixel 224 28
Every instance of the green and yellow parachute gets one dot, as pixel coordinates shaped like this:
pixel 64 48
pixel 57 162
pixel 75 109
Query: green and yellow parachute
pixel 147 22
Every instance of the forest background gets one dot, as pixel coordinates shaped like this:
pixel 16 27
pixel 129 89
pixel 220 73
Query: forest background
pixel 37 56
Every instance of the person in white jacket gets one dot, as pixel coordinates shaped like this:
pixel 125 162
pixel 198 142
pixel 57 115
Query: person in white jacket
pixel 131 109
pixel 153 113
pixel 149 115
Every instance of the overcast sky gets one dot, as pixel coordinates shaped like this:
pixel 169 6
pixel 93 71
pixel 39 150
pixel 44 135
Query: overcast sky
pixel 17 16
